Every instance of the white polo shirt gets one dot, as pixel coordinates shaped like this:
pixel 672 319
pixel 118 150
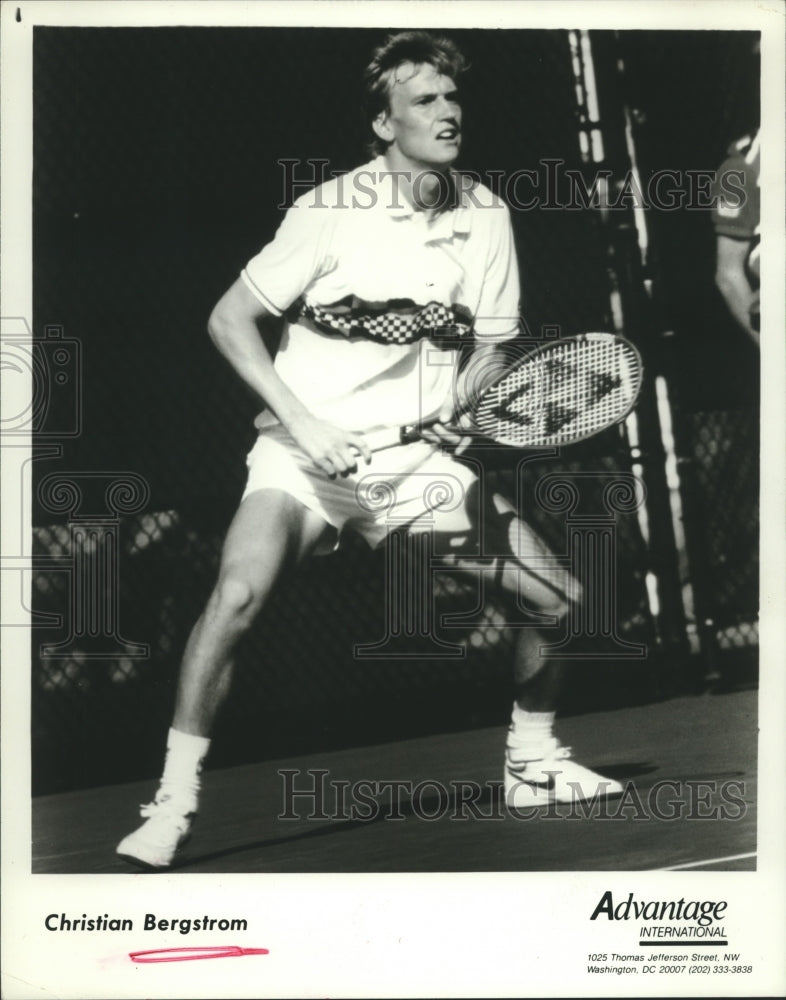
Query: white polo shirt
pixel 369 286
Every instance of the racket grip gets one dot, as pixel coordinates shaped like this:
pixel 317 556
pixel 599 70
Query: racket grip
pixel 390 437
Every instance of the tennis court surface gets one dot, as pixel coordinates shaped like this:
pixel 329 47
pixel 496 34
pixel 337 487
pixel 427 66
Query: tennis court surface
pixel 689 765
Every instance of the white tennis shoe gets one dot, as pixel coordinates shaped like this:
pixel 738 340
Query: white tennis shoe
pixel 157 843
pixel 555 777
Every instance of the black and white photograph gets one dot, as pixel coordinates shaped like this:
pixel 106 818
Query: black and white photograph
pixel 392 445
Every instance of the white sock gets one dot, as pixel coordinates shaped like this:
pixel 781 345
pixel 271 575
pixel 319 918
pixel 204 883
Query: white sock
pixel 181 780
pixel 531 734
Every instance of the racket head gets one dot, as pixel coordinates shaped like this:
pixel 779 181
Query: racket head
pixel 562 392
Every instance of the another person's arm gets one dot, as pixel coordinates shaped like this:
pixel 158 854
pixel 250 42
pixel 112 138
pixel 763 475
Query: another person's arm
pixel 732 281
pixel 735 217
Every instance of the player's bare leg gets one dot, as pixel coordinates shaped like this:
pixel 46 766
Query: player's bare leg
pixel 537 769
pixel 270 532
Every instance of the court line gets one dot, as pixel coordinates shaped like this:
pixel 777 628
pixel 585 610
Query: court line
pixel 708 861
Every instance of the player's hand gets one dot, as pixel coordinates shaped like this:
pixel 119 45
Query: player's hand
pixel 332 449
pixel 449 430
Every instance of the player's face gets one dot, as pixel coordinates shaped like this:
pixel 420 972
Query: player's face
pixel 423 122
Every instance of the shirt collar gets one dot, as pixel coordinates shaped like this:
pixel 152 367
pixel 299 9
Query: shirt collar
pixel 454 219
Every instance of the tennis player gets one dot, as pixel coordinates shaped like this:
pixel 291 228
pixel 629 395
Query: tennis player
pixel 380 276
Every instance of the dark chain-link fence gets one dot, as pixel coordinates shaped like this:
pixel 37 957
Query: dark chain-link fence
pixel 155 179
pixel 726 461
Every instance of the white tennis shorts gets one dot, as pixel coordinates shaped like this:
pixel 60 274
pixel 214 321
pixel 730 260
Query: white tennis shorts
pixel 414 485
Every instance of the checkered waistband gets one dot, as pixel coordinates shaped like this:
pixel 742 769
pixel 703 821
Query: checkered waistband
pixel 395 322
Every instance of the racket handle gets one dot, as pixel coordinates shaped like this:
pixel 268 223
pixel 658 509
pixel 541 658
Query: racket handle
pixel 409 433
pixel 390 437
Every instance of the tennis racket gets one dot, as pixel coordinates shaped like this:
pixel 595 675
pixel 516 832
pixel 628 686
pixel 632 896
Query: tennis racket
pixel 560 393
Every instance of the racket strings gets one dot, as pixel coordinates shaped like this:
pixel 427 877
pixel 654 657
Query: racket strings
pixel 566 392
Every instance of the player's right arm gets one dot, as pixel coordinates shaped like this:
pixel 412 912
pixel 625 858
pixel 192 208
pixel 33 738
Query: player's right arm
pixel 233 329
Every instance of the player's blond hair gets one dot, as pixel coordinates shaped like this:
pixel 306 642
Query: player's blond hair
pixel 415 47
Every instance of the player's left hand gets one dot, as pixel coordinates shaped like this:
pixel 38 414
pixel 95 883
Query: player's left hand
pixel 448 431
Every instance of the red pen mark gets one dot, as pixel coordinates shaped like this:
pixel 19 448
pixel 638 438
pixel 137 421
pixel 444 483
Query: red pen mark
pixel 193 954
